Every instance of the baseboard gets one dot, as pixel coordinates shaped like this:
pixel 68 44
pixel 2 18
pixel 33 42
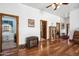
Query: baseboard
pixel 22 46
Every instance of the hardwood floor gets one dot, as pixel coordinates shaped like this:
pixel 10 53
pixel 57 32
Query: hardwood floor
pixel 47 48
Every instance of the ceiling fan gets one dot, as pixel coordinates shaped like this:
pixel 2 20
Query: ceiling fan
pixel 56 5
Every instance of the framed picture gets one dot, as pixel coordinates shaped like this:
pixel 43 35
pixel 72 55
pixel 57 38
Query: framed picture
pixel 31 23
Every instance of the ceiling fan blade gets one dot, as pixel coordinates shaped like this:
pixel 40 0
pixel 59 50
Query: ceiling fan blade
pixel 49 6
pixel 55 6
pixel 65 3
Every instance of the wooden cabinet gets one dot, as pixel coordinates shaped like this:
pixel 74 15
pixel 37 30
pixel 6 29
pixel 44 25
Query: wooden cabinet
pixel 52 33
pixel 32 41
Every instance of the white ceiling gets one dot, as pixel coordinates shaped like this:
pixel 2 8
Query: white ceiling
pixel 63 11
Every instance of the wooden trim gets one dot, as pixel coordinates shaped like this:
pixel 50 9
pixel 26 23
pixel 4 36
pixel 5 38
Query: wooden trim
pixel 40 28
pixel 17 29
pixel 8 15
pixel 0 34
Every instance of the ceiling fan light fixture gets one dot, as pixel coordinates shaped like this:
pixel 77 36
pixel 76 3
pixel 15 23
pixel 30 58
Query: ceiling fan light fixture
pixel 53 6
pixel 58 7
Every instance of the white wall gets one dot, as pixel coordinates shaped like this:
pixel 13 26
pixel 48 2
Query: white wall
pixel 74 22
pixel 74 19
pixel 24 13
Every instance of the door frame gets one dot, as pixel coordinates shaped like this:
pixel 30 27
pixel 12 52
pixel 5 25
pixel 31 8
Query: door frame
pixel 17 29
pixel 40 28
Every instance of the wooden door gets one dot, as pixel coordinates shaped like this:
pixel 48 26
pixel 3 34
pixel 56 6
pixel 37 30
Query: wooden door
pixel 43 29
pixel 17 33
pixel 52 32
pixel 58 29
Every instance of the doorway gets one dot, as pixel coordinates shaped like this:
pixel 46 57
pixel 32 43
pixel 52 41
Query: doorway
pixel 43 30
pixel 8 31
pixel 67 29
pixel 57 30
